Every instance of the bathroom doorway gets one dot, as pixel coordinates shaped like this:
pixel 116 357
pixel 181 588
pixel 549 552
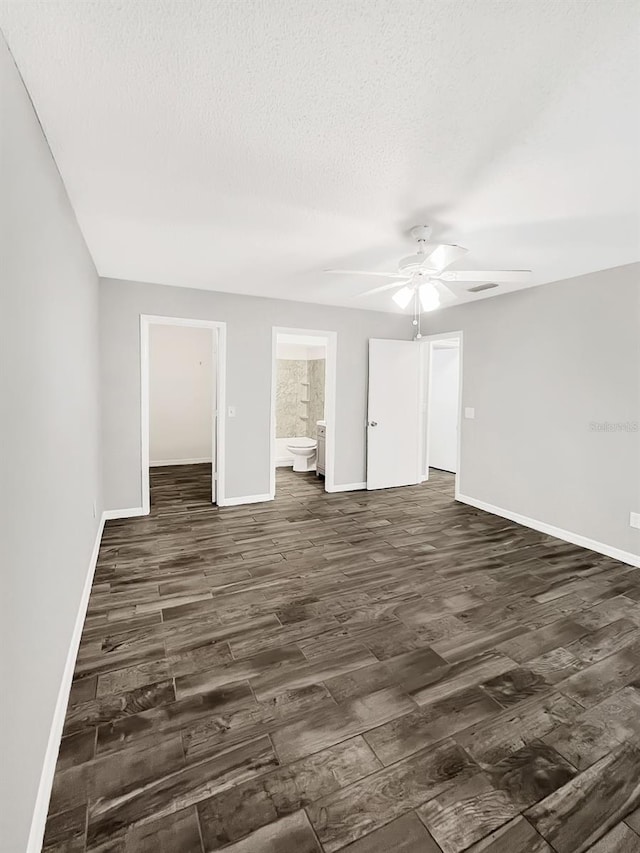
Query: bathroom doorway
pixel 303 409
pixel 182 391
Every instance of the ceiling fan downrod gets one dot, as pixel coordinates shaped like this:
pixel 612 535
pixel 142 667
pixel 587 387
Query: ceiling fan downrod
pixel 421 233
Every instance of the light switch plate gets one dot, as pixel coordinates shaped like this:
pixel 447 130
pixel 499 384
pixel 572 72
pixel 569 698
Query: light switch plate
pixel 469 412
pixel 634 519
pixel 232 411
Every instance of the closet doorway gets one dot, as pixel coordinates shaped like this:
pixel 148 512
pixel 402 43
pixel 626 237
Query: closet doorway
pixel 443 404
pixel 182 394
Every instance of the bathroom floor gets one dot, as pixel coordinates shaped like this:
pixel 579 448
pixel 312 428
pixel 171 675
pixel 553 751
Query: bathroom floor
pixel 290 482
pixel 362 672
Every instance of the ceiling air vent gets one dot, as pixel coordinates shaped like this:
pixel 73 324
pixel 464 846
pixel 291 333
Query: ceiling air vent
pixel 479 287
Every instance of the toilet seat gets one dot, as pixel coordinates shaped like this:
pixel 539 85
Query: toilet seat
pixel 302 443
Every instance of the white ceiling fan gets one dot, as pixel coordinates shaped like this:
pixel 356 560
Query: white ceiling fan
pixel 425 274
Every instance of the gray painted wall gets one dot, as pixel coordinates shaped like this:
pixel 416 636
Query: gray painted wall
pixel 49 445
pixel 249 332
pixel 539 367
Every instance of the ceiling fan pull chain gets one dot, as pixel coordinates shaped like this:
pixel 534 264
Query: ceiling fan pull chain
pixel 416 314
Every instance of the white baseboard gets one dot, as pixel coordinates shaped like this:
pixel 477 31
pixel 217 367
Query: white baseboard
pixel 284 462
pixel 163 462
pixel 131 512
pixel 246 499
pixel 39 819
pixel 347 487
pixel 558 532
pixel 134 512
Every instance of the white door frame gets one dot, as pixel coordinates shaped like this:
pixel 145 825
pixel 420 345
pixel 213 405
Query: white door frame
pixel 219 344
pixel 425 386
pixel 330 339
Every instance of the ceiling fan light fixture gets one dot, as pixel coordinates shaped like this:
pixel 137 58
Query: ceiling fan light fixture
pixel 429 297
pixel 430 264
pixel 403 297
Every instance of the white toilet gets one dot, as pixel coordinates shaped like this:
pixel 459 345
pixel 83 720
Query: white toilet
pixel 303 451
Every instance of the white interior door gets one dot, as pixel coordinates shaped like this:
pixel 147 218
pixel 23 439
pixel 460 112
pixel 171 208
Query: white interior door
pixel 214 418
pixel 393 431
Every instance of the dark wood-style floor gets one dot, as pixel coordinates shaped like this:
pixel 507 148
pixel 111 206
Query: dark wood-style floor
pixel 364 672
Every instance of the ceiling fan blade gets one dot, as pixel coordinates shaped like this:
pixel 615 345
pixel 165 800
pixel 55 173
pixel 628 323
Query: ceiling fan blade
pixel 443 256
pixel 445 292
pixel 486 275
pixel 366 272
pixel 383 287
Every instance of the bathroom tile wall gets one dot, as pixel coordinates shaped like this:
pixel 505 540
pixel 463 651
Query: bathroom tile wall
pixel 299 397
pixel 290 391
pixel 315 378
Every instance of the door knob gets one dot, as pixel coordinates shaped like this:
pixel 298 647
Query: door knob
pixel 373 423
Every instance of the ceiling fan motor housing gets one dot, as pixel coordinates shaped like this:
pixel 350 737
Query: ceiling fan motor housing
pixel 421 232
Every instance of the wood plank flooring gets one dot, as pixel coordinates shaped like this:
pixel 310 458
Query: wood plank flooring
pixel 357 672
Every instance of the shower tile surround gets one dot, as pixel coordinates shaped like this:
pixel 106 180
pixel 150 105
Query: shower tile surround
pixel 315 378
pixel 299 396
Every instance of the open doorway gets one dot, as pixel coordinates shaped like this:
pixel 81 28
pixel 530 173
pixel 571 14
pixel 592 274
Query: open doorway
pixel 302 410
pixel 182 380
pixel 443 409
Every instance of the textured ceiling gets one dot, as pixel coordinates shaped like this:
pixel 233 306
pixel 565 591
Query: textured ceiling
pixel 245 145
